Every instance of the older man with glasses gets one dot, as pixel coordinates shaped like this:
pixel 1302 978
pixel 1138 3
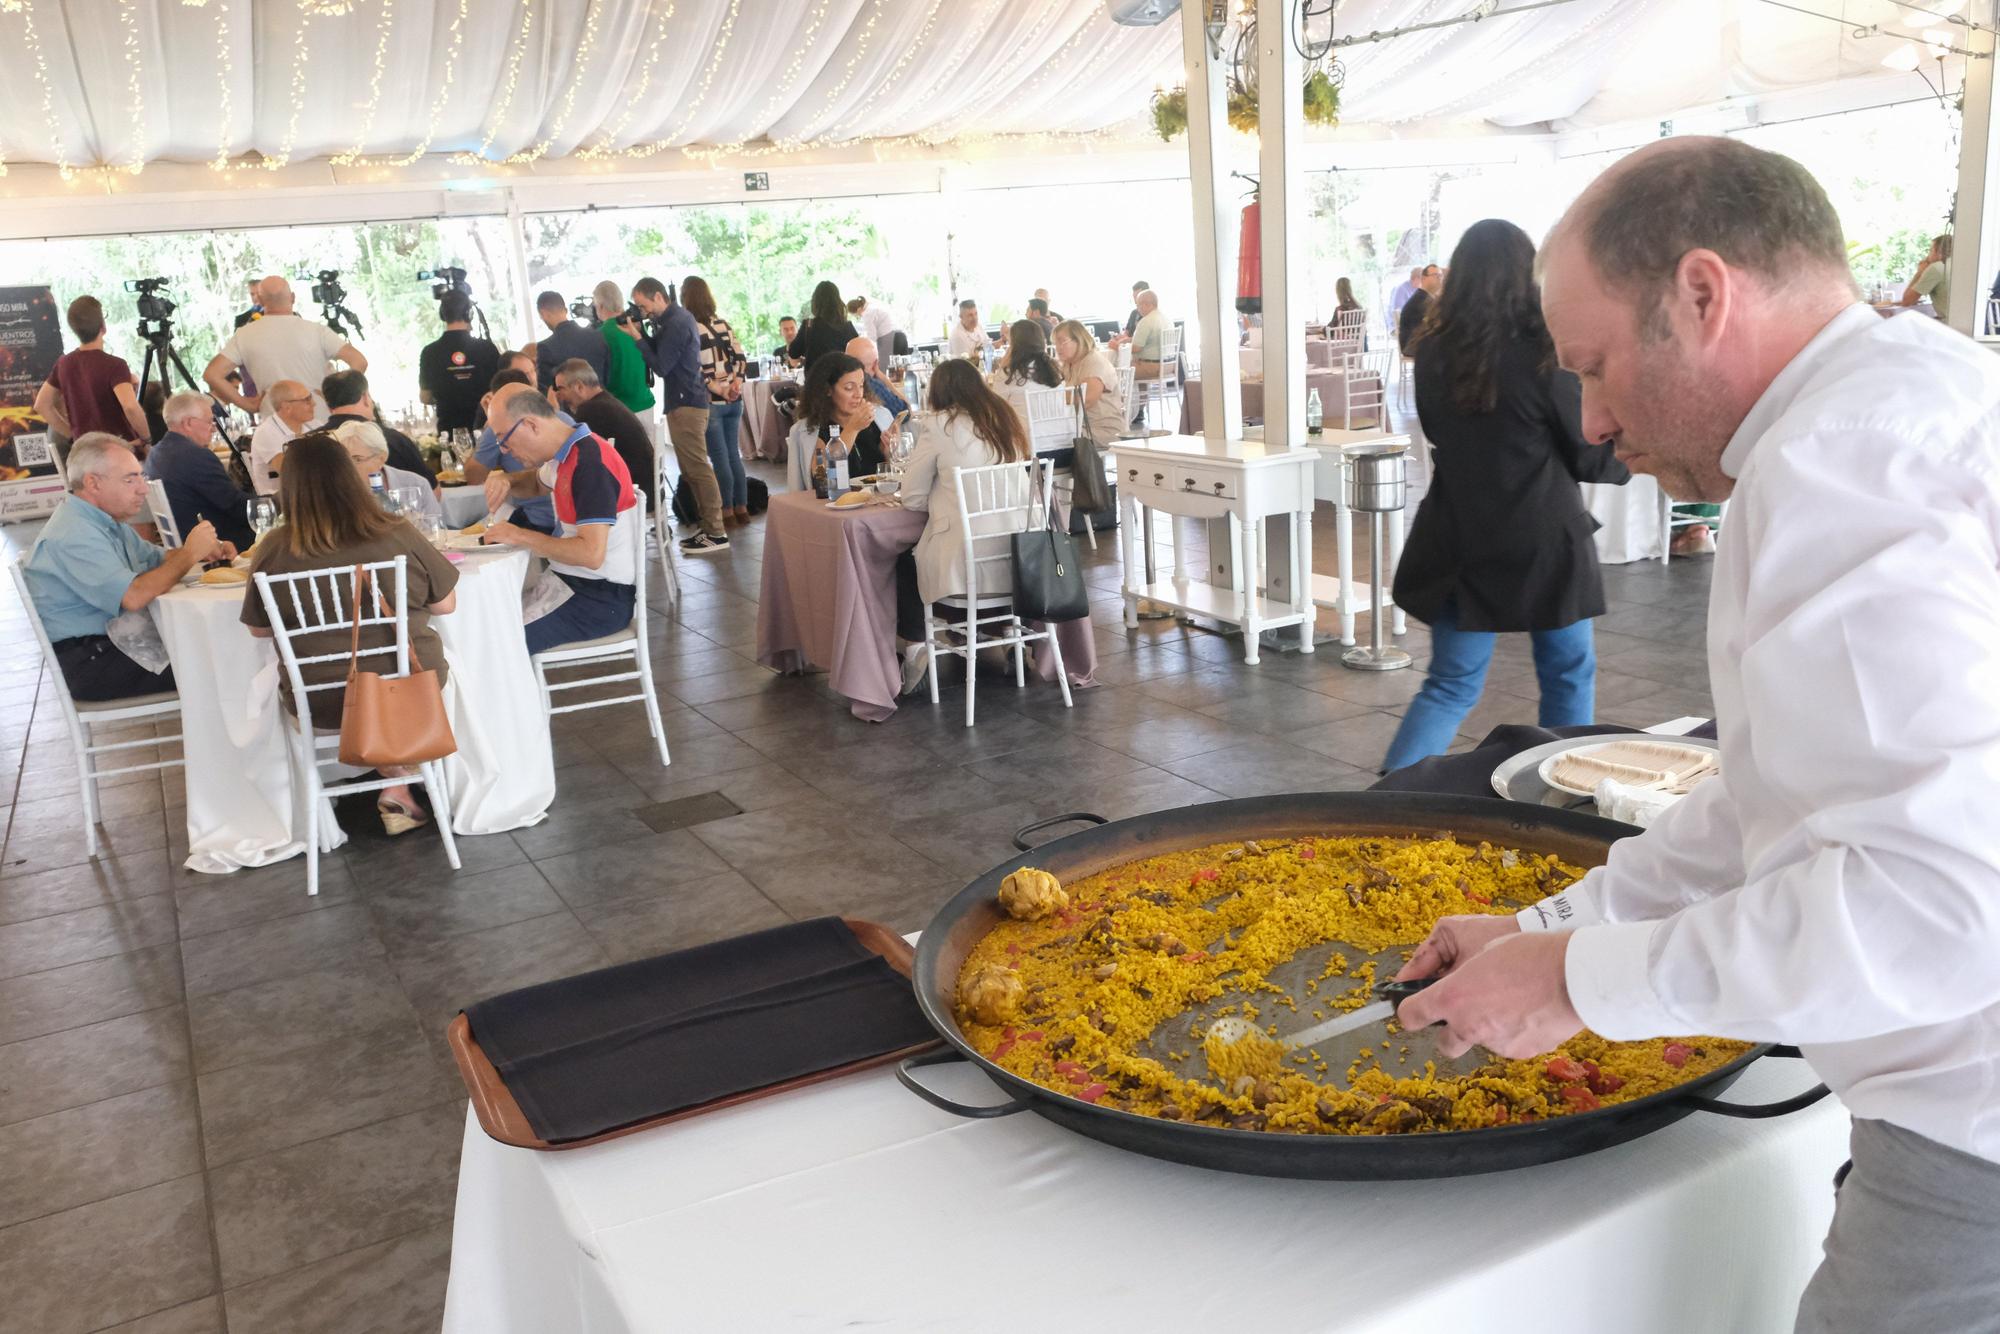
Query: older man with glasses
pixel 288 407
pixel 197 486
pixel 89 567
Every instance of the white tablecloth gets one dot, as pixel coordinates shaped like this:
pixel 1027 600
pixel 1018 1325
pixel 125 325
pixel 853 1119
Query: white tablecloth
pixel 854 1205
pixel 463 505
pixel 242 810
pixel 1633 529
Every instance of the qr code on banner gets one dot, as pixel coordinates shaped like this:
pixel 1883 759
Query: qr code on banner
pixel 33 451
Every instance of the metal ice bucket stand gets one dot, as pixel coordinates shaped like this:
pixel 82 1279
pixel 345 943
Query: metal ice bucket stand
pixel 1376 479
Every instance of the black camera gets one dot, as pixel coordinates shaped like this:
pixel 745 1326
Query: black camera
pixel 328 291
pixel 443 279
pixel 583 308
pixel 152 305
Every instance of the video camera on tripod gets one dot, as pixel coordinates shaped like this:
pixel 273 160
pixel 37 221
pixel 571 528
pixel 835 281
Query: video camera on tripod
pixel 162 359
pixel 328 294
pixel 444 280
pixel 153 306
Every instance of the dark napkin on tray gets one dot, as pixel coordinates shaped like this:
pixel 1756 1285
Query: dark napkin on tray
pixel 605 1049
pixel 1470 774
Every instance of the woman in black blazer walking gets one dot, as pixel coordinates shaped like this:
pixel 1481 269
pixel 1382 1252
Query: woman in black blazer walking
pixel 1502 541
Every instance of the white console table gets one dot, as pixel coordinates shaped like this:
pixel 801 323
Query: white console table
pixel 1244 482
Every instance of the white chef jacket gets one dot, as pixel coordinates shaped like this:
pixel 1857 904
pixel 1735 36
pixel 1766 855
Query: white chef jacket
pixel 1838 885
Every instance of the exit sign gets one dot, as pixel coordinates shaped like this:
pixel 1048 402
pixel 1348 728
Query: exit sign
pixel 756 180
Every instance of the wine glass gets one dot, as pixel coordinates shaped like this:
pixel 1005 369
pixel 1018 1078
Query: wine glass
pixel 262 512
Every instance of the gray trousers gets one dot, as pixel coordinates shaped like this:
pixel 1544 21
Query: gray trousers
pixel 1915 1242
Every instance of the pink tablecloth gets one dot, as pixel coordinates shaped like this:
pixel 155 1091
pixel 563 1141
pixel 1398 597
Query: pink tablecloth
pixel 1332 386
pixel 829 600
pixel 763 434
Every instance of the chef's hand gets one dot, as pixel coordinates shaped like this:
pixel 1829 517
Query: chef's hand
pixel 1510 997
pixel 504 535
pixel 498 487
pixel 1454 940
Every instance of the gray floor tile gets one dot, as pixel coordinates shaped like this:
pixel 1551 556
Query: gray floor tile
pixel 821 826
pixel 89 885
pixel 637 869
pixel 1168 735
pixel 310 1202
pixel 356 998
pixel 444 977
pixel 690 913
pixel 1360 741
pixel 967 843
pixel 85 993
pixel 393 1287
pixel 88 933
pixel 91 1153
pixel 218 903
pixel 83 1065
pixel 1280 710
pixel 1261 768
pixel 223 960
pixel 763 784
pixel 320 1090
pixel 197 1317
pixel 1026 773
pixel 410 915
pixel 102 1263
pixel 894 886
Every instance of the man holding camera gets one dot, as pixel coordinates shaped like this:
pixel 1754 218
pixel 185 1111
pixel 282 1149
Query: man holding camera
pixel 280 346
pixel 672 348
pixel 565 340
pixel 453 372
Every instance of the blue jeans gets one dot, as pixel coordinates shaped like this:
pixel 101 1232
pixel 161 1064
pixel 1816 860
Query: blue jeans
pixel 725 453
pixel 596 607
pixel 1565 665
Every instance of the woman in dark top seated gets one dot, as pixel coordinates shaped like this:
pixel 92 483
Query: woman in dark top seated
pixel 333 522
pixel 834 393
pixel 827 332
pixel 1502 541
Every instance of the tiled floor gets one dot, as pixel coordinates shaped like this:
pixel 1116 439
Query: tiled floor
pixel 223 1104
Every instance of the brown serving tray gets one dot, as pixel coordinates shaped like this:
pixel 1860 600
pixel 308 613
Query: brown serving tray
pixel 501 1117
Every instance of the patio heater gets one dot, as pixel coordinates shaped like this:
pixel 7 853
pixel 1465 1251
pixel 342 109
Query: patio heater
pixel 1376 478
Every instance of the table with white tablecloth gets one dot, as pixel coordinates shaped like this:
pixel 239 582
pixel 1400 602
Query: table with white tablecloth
pixel 1633 519
pixel 243 809
pixel 852 1204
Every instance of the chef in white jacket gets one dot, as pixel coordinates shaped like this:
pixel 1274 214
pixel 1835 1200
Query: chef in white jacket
pixel 1838 886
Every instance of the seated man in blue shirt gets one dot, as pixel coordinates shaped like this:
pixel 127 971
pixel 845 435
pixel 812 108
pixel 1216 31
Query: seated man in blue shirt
pixel 89 566
pixel 197 486
pixel 864 351
pixel 531 510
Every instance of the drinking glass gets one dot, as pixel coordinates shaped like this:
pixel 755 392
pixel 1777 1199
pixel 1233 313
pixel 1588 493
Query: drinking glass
pixel 263 514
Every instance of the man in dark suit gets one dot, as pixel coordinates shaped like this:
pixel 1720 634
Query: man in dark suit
pixel 566 339
pixel 197 486
pixel 347 399
pixel 1418 306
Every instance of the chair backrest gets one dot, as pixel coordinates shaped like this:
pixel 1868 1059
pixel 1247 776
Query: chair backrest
pixel 1349 323
pixel 1170 342
pixel 663 527
pixel 1051 417
pixel 638 540
pixel 43 642
pixel 1126 385
pixel 994 503
pixel 163 514
pixel 314 601
pixel 1366 376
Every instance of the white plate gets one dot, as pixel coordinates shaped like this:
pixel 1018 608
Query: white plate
pixel 1546 769
pixel 1518 778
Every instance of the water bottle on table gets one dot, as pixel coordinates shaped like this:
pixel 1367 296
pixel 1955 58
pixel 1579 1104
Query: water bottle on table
pixel 836 463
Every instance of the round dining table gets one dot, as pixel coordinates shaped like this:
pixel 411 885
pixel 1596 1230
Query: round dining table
pixel 243 807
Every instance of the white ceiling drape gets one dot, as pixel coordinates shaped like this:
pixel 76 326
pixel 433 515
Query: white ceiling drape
pixel 123 83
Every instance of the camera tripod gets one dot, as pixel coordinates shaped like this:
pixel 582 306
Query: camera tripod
pixel 162 356
pixel 333 313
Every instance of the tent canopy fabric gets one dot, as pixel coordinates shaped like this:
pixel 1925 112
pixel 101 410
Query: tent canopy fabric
pixel 263 83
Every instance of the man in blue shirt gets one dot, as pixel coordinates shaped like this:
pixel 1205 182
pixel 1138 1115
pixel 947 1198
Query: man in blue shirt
pixel 1401 297
pixel 89 566
pixel 672 348
pixel 197 486
pixel 530 510
pixel 869 355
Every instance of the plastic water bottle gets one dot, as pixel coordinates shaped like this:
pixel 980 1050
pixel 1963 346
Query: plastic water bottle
pixel 820 473
pixel 1313 413
pixel 836 463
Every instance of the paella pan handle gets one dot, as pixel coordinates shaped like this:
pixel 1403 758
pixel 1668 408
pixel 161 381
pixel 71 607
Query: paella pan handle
pixel 1757 1111
pixel 938 1100
pixel 1071 817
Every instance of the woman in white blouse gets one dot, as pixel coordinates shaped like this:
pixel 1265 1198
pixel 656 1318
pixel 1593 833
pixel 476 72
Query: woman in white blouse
pixel 1083 363
pixel 967 425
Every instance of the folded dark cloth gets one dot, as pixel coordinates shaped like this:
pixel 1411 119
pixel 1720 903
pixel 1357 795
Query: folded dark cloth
pixel 1470 773
pixel 605 1049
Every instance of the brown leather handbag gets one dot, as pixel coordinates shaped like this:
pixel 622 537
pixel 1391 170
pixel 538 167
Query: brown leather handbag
pixel 390 721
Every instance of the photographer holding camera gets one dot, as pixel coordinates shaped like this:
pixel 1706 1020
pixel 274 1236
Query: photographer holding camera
pixel 564 340
pixel 280 346
pixel 672 348
pixel 453 372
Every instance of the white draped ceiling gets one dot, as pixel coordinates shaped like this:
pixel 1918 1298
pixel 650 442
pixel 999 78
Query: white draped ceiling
pixel 119 84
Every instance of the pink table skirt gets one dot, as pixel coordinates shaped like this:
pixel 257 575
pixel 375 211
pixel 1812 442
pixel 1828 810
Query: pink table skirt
pixel 763 432
pixel 1332 386
pixel 829 600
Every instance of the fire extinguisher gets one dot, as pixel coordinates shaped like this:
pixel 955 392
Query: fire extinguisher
pixel 1250 262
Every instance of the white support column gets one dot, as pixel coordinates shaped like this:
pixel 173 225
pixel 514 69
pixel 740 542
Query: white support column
pixel 1281 126
pixel 1976 227
pixel 517 245
pixel 1214 229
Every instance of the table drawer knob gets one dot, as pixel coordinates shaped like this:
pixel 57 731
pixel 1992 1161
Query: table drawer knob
pixel 1159 477
pixel 1218 488
pixel 1133 474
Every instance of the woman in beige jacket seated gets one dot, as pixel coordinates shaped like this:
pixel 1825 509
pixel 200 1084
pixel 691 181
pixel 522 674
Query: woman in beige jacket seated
pixel 966 425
